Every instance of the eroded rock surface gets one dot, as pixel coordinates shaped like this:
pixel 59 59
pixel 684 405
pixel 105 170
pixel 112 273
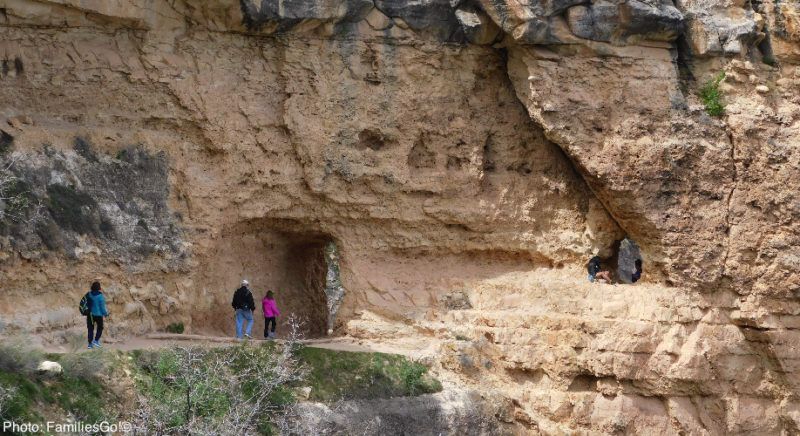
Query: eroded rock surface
pixel 466 158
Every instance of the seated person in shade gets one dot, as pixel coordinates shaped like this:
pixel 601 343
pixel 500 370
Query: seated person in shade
pixel 596 272
pixel 637 273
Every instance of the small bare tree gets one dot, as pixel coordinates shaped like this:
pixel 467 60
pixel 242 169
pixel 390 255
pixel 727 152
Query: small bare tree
pixel 223 391
pixel 16 203
pixel 6 394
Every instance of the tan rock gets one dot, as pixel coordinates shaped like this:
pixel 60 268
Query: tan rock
pixel 464 190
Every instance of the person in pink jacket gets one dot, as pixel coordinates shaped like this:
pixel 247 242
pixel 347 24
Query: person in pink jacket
pixel 271 312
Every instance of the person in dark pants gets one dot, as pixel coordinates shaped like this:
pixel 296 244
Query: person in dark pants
pixel 243 306
pixel 637 273
pixel 98 311
pixel 271 312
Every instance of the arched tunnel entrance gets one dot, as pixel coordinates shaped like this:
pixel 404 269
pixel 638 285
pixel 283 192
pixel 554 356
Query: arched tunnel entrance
pixel 300 268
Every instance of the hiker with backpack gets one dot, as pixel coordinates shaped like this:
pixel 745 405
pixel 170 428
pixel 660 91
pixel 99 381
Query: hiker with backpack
pixel 596 272
pixel 93 307
pixel 271 313
pixel 243 305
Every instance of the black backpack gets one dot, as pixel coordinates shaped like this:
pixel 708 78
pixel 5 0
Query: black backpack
pixel 85 305
pixel 594 265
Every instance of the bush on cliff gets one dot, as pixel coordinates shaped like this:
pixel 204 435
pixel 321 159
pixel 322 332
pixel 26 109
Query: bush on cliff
pixel 335 375
pixel 175 327
pixel 712 97
pixel 193 389
pixel 26 395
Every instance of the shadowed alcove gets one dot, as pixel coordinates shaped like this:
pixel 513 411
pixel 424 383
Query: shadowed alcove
pixel 292 263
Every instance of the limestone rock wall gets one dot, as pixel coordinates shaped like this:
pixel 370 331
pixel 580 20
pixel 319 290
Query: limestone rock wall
pixel 466 157
pixel 315 136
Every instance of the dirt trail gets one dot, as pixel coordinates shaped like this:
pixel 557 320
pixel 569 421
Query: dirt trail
pixel 165 340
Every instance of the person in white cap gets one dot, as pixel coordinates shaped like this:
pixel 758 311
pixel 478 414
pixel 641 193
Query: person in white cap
pixel 243 305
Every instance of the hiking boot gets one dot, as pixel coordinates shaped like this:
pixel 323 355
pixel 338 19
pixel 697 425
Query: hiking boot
pixel 91 345
pixel 96 344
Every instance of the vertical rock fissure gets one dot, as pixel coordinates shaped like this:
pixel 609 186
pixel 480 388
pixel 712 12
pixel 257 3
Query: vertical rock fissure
pixel 729 201
pixel 576 168
pixel 580 171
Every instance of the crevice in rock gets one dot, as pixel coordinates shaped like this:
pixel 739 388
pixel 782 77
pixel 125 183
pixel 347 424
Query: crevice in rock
pixel 576 168
pixel 583 383
pixel 420 156
pixel 728 202
pixel 758 338
pixel 579 171
pixel 683 63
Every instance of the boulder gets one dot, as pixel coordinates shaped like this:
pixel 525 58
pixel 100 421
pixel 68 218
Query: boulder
pixel 49 367
pixel 436 17
pixel 478 28
pixel 535 31
pixel 653 20
pixel 303 392
pixel 581 22
pixel 288 14
pixel 631 20
pixel 717 27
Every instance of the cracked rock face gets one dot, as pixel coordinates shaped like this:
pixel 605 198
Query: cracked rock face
pixel 119 204
pixel 466 158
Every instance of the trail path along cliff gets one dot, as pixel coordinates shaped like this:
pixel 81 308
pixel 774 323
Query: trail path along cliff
pixel 166 340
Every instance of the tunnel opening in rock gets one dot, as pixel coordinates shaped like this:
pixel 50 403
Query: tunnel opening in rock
pixel 300 268
pixel 334 291
pixel 303 285
pixel 629 261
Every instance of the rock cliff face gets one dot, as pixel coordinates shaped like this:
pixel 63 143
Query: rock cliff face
pixel 465 157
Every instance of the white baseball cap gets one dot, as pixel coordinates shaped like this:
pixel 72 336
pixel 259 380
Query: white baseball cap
pixel 245 282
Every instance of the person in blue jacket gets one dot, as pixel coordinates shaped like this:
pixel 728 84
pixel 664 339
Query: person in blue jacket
pixel 98 311
pixel 637 272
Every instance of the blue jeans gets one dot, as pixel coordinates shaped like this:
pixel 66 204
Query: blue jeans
pixel 241 316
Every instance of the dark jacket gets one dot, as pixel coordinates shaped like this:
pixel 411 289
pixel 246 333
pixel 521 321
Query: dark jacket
pixel 243 299
pixel 97 304
pixel 594 266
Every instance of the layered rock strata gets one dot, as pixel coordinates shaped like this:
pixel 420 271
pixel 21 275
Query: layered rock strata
pixel 466 157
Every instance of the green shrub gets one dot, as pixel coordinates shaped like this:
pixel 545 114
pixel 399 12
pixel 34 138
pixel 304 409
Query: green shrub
pixel 335 375
pixel 712 97
pixel 26 395
pixel 18 398
pixel 84 366
pixel 204 388
pixel 416 380
pixel 19 358
pixel 175 327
